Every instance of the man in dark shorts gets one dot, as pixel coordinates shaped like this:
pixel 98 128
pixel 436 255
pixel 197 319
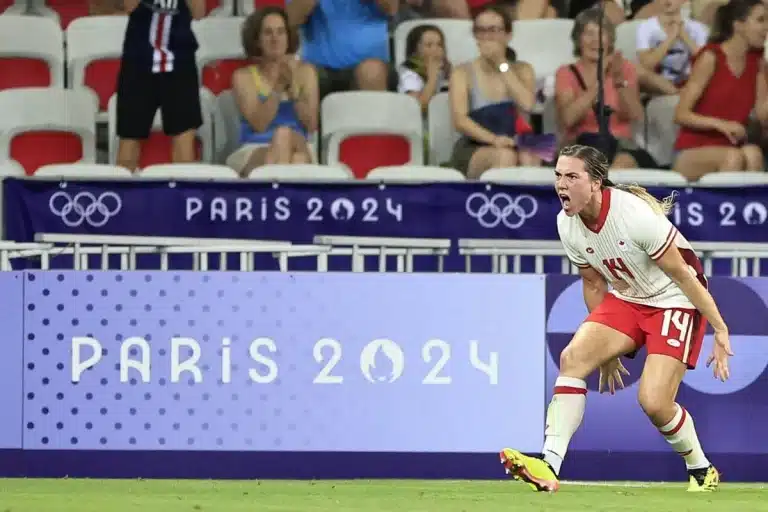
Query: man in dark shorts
pixel 158 70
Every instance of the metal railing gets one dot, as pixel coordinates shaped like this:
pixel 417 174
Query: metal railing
pixel 506 255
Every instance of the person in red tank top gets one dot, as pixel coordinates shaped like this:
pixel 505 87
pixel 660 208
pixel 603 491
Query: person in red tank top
pixel 726 83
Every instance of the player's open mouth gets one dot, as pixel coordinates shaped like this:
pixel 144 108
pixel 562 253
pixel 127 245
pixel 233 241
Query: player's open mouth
pixel 565 199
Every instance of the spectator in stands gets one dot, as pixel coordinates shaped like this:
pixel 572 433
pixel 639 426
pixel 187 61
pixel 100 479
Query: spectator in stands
pixel 277 95
pixel 667 43
pixel 518 9
pixel 576 92
pixel 727 82
pixel 488 97
pixel 158 70
pixel 426 67
pixel 348 42
pixel 410 9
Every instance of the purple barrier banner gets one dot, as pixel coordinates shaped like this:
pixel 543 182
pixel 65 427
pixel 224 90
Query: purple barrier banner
pixel 282 362
pixel 730 417
pixel 298 212
pixel 12 360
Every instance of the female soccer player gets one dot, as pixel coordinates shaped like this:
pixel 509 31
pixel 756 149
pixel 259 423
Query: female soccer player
pixel 620 236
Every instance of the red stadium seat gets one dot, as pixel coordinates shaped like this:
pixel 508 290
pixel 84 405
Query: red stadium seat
pixel 157 150
pixel 362 153
pixel 24 72
pixel 101 77
pixel 265 3
pixel 60 148
pixel 217 76
pixel 69 10
pixel 211 5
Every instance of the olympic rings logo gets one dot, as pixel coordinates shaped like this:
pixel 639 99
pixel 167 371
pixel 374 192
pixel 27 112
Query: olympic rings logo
pixel 501 209
pixel 85 207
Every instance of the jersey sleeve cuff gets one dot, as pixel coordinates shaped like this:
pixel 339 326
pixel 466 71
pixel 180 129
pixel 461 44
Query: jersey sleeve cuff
pixel 580 265
pixel 666 245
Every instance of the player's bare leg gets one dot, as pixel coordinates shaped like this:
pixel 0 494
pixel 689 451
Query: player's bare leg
pixel 659 383
pixel 593 345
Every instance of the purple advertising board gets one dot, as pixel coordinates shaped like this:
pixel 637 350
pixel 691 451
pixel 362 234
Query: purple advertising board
pixel 336 375
pixel 729 417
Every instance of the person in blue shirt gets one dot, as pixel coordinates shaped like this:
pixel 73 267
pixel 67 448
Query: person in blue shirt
pixel 347 41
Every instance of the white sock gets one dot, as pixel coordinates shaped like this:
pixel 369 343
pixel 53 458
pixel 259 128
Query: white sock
pixel 681 434
pixel 564 415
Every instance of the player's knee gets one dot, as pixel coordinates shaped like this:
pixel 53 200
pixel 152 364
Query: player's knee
pixel 569 361
pixel 653 403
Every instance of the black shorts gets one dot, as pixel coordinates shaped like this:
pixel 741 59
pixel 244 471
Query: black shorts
pixel 140 93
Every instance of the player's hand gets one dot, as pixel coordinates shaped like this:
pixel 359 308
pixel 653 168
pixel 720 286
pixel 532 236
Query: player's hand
pixel 610 374
pixel 720 354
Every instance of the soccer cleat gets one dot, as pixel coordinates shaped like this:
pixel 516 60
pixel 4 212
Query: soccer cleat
pixel 703 480
pixel 531 470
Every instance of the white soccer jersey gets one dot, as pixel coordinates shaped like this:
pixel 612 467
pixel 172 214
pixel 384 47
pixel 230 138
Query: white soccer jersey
pixel 624 246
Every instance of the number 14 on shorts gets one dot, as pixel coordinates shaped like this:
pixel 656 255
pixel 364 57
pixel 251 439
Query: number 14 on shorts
pixel 682 321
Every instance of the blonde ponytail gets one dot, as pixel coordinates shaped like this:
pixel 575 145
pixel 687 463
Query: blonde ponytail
pixel 662 207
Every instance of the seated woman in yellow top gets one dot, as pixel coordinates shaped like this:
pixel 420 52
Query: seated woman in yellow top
pixel 277 95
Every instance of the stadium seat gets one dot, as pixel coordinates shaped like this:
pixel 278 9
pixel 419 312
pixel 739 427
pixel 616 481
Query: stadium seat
pixel 226 128
pixel 367 129
pixel 63 12
pixel 221 51
pixel 11 169
pixel 300 172
pixel 40 126
pixel 188 171
pixel 415 174
pixel 246 7
pixel 626 39
pixel 648 177
pixel 520 176
pixel 13 7
pixel 219 8
pixel 82 170
pixel 460 45
pixel 545 44
pixel 31 52
pixel 733 179
pixel 157 148
pixel 442 135
pixel 94 48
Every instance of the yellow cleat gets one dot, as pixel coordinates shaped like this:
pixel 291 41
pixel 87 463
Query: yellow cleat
pixel 531 470
pixel 703 480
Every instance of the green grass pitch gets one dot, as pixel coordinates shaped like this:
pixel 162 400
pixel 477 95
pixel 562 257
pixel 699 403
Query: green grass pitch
pixel 75 495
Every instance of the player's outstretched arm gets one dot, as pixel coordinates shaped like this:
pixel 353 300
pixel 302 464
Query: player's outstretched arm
pixel 672 263
pixel 595 287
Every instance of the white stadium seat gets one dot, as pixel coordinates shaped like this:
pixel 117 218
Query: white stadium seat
pixel 442 135
pixel 626 39
pixel 220 52
pixel 415 174
pixel 11 169
pixel 94 48
pixel 83 170
pixel 460 44
pixel 733 179
pixel 50 118
pixel 300 172
pixel 17 8
pixel 368 113
pixel 520 176
pixel 545 44
pixel 647 177
pixel 32 38
pixel 188 171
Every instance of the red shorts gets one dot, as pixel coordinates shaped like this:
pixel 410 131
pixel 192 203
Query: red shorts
pixel 675 332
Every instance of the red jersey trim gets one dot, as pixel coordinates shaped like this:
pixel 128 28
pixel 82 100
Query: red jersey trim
pixel 667 244
pixel 603 215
